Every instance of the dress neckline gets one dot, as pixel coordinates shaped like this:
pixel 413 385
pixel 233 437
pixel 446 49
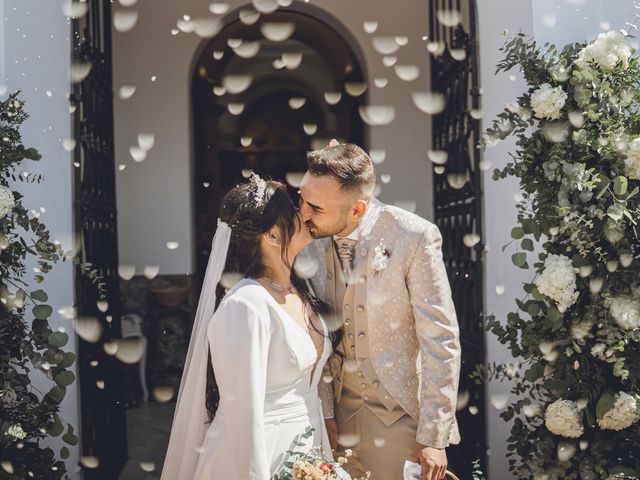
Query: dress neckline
pixel 325 330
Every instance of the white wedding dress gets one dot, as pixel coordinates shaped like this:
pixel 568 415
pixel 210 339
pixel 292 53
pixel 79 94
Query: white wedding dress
pixel 267 373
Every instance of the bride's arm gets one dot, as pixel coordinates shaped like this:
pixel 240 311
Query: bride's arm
pixel 240 336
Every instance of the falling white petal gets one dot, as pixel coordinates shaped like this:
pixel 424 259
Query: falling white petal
pixel 355 89
pixel 438 157
pixel 247 49
pixel 245 141
pixel 310 128
pixel 186 26
pixel 380 82
pixel 234 42
pixel 285 3
pixel 219 8
pixel 249 17
pixel 385 45
pixel 151 271
pixel 277 31
pixel 377 115
pixel 401 40
pixel 370 26
pixel 79 71
pixel 292 60
pixel 173 245
pixel 265 6
pixel 294 178
pixel 377 155
pixel 236 83
pixel 430 103
pixel 408 73
pixel 73 9
pixel 332 98
pixel 128 3
pixel 69 144
pixel 207 27
pixel 146 141
pixel 449 18
pixel 217 54
pixel 125 20
pixel 389 61
pixel 137 154
pixel 219 91
pixel 297 102
pixel 126 91
pixel 126 272
pixel 458 54
pixel 236 108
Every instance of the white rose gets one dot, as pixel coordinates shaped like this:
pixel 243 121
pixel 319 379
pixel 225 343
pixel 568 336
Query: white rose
pixel 7 202
pixel 624 413
pixel 547 101
pixel 558 281
pixel 580 330
pixel 625 310
pixel 632 161
pixel 605 52
pixel 563 418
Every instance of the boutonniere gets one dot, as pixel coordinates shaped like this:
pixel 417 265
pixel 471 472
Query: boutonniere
pixel 381 258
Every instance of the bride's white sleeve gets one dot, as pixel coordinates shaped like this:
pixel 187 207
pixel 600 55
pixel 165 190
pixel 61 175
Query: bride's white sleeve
pixel 239 337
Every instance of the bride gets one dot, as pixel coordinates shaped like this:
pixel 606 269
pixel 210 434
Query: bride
pixel 251 376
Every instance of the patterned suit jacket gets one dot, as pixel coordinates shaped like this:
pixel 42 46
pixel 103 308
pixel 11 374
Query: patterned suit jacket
pixel 412 328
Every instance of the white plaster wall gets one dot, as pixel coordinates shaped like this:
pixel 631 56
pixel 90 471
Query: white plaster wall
pixel 554 21
pixel 35 57
pixel 155 198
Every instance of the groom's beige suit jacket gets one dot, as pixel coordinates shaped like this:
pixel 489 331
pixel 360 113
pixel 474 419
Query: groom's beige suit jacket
pixel 413 345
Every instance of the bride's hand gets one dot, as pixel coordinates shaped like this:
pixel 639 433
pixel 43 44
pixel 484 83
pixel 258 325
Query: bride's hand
pixel 332 432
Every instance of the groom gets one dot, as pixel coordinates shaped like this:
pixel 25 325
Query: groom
pixel 390 394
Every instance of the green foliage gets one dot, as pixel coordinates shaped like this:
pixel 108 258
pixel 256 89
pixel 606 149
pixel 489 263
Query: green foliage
pixel 580 200
pixel 26 340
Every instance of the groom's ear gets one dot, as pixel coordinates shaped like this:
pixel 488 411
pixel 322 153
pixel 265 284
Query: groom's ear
pixel 359 209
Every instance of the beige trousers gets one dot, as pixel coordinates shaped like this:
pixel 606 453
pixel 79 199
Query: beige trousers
pixel 377 448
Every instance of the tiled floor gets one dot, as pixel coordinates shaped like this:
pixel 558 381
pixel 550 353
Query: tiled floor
pixel 148 428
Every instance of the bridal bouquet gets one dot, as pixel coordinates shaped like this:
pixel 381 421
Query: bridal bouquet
pixel 311 465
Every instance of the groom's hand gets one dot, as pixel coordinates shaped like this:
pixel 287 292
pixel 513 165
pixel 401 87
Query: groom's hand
pixel 432 460
pixel 332 432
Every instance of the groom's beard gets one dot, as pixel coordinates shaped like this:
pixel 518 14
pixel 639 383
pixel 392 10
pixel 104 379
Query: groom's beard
pixel 317 233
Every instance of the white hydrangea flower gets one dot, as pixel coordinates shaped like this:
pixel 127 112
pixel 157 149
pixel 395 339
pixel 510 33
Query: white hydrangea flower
pixel 605 52
pixel 17 432
pixel 624 413
pixel 579 330
pixel 632 160
pixel 558 281
pixel 563 418
pixel 7 202
pixel 625 310
pixel 547 101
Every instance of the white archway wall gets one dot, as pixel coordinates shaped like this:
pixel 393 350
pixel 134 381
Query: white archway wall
pixel 554 21
pixel 35 58
pixel 155 197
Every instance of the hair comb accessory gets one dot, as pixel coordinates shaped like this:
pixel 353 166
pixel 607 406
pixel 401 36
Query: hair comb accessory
pixel 259 186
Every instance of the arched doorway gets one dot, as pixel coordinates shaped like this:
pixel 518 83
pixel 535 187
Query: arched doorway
pixel 262 97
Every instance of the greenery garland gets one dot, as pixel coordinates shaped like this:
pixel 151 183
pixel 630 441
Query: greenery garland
pixel 576 333
pixel 27 341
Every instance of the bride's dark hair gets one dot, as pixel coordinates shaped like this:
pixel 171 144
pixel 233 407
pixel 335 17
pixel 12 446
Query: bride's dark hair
pixel 251 211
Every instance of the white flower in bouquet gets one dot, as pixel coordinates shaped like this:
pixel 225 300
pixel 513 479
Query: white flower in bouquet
pixel 579 330
pixel 558 281
pixel 624 413
pixel 613 231
pixel 7 202
pixel 563 418
pixel 547 101
pixel 16 432
pixel 605 52
pixel 625 310
pixel 632 160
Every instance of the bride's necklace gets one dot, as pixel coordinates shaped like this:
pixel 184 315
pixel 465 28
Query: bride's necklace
pixel 277 286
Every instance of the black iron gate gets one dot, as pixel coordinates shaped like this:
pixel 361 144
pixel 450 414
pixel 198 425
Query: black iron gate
pixel 458 204
pixel 103 418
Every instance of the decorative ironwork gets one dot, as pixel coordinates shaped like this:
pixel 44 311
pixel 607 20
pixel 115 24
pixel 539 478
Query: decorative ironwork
pixel 101 392
pixel 458 203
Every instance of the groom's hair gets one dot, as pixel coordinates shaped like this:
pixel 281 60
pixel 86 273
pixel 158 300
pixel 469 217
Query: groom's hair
pixel 348 164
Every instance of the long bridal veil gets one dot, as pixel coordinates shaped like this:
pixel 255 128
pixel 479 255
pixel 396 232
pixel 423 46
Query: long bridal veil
pixel 190 417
